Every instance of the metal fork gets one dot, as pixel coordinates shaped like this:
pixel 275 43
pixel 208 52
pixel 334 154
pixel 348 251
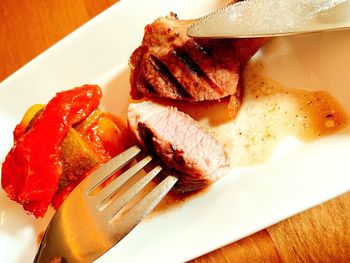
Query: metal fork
pixel 90 222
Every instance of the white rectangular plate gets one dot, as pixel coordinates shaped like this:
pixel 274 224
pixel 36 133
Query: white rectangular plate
pixel 241 203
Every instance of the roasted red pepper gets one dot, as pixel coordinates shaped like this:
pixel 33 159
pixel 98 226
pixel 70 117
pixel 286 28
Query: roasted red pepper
pixel 32 169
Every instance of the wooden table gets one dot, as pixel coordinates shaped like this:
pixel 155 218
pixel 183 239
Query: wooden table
pixel 321 234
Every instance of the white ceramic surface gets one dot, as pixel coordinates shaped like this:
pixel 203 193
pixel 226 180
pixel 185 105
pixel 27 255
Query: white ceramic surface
pixel 243 202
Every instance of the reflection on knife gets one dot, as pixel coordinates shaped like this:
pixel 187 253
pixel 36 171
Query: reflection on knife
pixel 263 18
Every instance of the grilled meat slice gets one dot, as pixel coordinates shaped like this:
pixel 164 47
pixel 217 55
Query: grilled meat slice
pixel 179 142
pixel 172 65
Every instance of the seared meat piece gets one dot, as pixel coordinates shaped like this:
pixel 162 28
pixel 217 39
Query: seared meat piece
pixel 172 65
pixel 179 142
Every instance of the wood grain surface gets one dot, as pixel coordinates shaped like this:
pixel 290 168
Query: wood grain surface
pixel 322 234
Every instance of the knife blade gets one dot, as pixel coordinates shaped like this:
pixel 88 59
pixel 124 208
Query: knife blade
pixel 265 18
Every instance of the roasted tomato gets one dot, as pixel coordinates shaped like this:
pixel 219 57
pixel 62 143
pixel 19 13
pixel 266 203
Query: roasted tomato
pixel 57 145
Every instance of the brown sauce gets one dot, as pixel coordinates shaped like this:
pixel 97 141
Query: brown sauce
pixel 270 113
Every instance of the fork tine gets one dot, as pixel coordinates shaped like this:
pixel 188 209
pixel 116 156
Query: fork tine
pixel 144 207
pixel 122 200
pixel 105 171
pixel 108 191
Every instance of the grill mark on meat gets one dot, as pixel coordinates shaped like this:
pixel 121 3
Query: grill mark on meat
pixel 189 63
pixel 169 79
pixel 149 87
pixel 195 68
